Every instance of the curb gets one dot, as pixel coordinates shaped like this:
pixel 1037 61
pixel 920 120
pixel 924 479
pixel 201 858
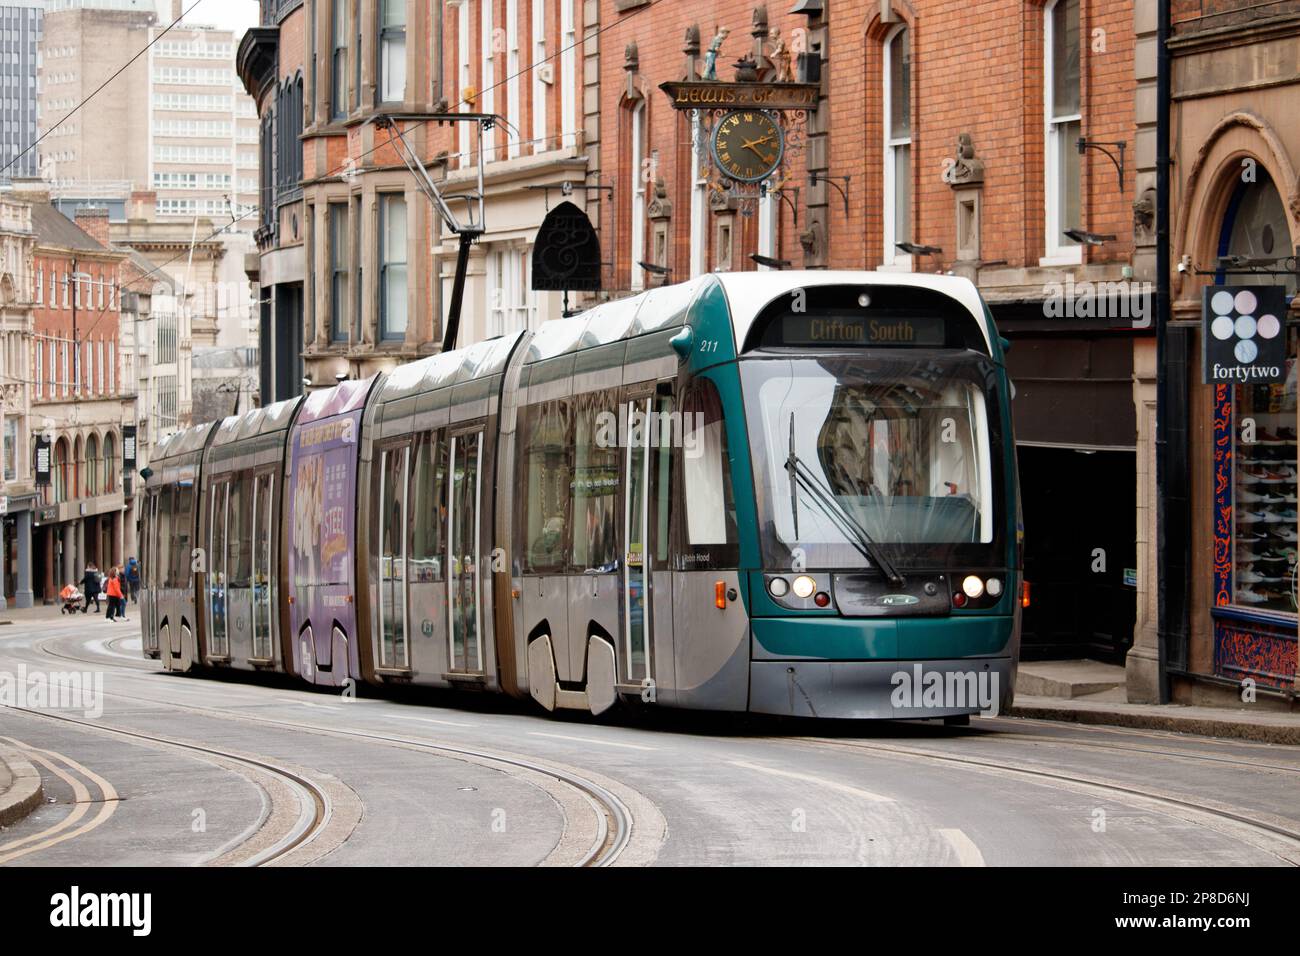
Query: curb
pixel 24 794
pixel 1174 723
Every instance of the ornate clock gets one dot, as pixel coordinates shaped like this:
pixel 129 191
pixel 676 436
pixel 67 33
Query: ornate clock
pixel 748 145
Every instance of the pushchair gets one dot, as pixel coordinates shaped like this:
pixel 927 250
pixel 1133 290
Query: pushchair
pixel 72 600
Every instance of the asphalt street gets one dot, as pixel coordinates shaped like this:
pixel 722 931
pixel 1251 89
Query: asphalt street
pixel 180 770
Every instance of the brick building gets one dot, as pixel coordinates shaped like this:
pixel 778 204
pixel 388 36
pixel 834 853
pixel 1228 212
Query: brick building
pixel 17 488
pixel 79 402
pixel 945 137
pixel 1230 515
pixel 349 243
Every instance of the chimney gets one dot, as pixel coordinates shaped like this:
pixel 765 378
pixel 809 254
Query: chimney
pixel 144 203
pixel 93 220
pixel 178 8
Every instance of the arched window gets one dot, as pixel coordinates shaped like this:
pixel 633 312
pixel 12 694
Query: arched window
pixel 897 122
pixel 637 194
pixel 1263 460
pixel 92 466
pixel 76 489
pixel 110 462
pixel 1063 123
pixel 61 471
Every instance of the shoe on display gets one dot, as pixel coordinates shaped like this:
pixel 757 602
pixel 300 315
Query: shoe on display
pixel 1251 596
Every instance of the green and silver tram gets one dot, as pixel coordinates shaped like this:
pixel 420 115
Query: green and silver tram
pixel 789 493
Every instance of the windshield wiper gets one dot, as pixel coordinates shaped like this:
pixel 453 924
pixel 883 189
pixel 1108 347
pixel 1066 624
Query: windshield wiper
pixel 802 476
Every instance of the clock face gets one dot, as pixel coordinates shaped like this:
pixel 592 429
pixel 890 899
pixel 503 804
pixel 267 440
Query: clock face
pixel 748 145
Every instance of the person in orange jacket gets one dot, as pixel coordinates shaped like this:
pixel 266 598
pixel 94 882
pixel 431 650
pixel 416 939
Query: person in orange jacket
pixel 114 590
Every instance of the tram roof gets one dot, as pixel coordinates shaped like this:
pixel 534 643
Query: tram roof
pixel 448 368
pixel 256 421
pixel 748 293
pixel 185 442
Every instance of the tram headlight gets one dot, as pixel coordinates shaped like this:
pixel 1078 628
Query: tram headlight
pixel 993 586
pixel 972 586
pixel 778 587
pixel 804 586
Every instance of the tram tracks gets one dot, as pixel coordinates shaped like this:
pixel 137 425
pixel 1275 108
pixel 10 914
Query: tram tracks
pixel 314 804
pixel 1274 835
pixel 608 829
pixel 1278 836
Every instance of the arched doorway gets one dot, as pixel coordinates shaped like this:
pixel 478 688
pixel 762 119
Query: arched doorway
pixel 1254 487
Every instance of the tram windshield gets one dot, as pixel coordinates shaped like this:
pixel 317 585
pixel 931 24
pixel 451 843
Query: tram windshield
pixel 892 454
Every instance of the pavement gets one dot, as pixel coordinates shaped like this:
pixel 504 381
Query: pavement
pixel 1090 692
pixel 20 786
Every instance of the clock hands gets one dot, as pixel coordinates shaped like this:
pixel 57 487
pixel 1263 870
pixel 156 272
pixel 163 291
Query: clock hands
pixel 753 144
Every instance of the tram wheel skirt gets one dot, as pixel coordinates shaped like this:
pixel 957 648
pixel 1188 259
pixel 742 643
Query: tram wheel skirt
pixel 898 690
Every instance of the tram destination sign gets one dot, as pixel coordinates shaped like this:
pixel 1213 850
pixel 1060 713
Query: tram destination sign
pixel 711 94
pixel 862 330
pixel 1244 334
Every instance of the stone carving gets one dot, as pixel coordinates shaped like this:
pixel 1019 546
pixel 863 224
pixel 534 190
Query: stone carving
pixel 966 170
pixel 711 55
pixel 1144 215
pixel 780 57
pixel 661 207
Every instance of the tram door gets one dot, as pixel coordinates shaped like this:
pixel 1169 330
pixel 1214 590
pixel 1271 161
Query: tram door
pixel 218 535
pixel 393 649
pixel 465 551
pixel 149 573
pixel 262 567
pixel 636 533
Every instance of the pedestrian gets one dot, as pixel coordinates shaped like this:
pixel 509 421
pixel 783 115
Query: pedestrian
pixel 90 587
pixel 133 577
pixel 114 590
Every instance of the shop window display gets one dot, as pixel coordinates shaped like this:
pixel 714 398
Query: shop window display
pixel 1264 491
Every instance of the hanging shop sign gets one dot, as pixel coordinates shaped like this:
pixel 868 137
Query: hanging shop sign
pixel 566 252
pixel 42 461
pixel 1243 334
pixel 128 448
pixel 713 94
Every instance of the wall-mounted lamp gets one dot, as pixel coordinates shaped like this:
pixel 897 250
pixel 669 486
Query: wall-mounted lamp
pixel 1089 238
pixel 912 249
pixel 770 262
pixel 1083 144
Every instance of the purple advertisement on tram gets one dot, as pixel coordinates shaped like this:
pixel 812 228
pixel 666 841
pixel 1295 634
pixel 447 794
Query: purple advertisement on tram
pixel 322 487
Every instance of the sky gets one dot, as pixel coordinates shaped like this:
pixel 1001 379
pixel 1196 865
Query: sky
pixel 237 15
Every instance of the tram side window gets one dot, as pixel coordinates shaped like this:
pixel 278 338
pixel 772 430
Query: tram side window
pixel 661 466
pixel 239 547
pixel 161 575
pixel 595 483
pixel 548 486
pixel 393 491
pixel 709 538
pixel 217 536
pixel 429 508
pixel 181 535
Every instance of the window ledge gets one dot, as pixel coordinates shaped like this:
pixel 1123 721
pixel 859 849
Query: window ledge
pixel 1063 259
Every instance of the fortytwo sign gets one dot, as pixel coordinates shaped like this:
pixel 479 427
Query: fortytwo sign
pixel 1243 334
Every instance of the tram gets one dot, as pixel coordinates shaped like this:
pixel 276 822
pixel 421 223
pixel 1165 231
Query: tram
pixel 788 493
